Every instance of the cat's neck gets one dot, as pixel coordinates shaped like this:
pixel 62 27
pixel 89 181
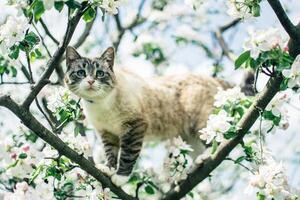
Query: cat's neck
pixel 110 98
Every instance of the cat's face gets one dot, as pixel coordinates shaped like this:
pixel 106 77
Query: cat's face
pixel 90 78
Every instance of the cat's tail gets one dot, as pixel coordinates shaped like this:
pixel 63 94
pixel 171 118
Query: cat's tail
pixel 247 85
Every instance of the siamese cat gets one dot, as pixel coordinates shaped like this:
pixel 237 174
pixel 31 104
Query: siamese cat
pixel 126 110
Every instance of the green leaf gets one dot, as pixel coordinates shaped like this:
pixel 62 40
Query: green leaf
pixel 32 56
pixel 38 53
pixel 53 171
pixel 38 10
pixel 73 4
pixel 23 155
pixel 12 165
pixel 133 179
pixel 260 196
pixel 76 131
pixel 59 5
pixel 13 71
pixel 31 137
pixel 149 189
pixel 255 10
pixel 32 38
pixel 214 146
pixel 2 69
pixel 14 52
pixel 35 173
pixel 242 59
pixel 240 159
pixel 269 115
pixel 89 15
pixel 249 152
pixel 230 134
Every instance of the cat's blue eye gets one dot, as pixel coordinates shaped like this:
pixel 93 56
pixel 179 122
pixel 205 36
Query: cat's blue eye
pixel 80 73
pixel 100 74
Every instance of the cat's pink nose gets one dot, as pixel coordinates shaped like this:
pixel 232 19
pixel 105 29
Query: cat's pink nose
pixel 91 82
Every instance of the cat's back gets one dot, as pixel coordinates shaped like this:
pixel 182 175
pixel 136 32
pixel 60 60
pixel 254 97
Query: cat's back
pixel 182 102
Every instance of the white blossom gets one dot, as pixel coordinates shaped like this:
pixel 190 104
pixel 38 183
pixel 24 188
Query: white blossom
pixel 239 9
pixel 57 97
pixel 12 31
pixel 263 40
pixel 18 4
pixel 79 143
pixel 111 6
pixel 270 181
pixel 23 191
pixel 276 105
pixel 232 95
pixel 217 125
pixel 293 74
pixel 178 161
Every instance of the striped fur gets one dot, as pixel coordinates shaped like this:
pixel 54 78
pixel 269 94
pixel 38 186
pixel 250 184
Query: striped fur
pixel 131 145
pixel 111 144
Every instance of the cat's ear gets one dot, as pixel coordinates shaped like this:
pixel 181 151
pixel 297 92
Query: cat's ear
pixel 109 56
pixel 71 54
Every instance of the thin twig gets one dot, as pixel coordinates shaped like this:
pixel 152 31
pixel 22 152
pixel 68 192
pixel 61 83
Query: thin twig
pixel 139 185
pixel 14 83
pixel 49 112
pixel 42 40
pixel 138 19
pixel 229 25
pixel 48 32
pixel 29 67
pixel 25 71
pixel 219 36
pixel 240 164
pixel 43 113
pixel 86 33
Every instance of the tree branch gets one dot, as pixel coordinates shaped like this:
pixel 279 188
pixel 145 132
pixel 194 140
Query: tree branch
pixel 55 60
pixel 85 34
pixel 121 29
pixel 219 36
pixel 138 20
pixel 210 162
pixel 230 25
pixel 33 124
pixel 289 27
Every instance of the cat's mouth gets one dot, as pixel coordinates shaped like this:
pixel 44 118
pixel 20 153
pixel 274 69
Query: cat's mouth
pixel 91 88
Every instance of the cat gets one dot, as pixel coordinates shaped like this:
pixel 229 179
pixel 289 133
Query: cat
pixel 126 109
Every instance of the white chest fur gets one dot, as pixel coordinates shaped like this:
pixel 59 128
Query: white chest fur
pixel 103 115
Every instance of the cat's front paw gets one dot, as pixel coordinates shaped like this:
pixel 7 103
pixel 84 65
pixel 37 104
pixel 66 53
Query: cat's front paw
pixel 119 180
pixel 109 171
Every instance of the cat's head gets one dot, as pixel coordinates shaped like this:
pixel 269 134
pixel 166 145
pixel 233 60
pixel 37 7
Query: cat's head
pixel 90 78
